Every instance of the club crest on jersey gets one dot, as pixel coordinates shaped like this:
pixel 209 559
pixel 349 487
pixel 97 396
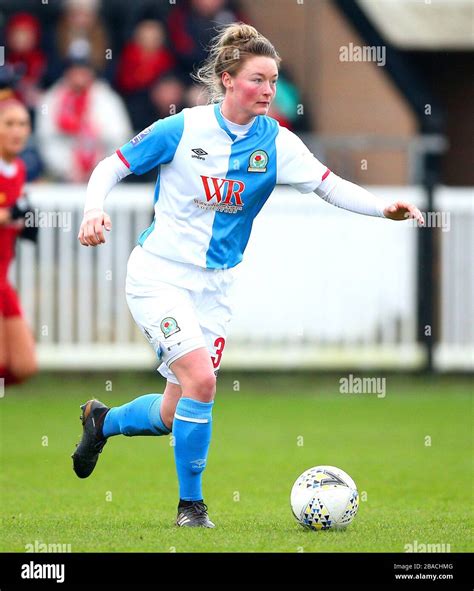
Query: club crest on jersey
pixel 169 326
pixel 258 161
pixel 138 138
pixel 224 195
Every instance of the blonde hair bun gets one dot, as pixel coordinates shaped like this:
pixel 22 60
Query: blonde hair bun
pixel 238 33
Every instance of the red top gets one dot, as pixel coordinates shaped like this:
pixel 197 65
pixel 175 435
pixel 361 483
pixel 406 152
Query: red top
pixel 11 189
pixel 138 68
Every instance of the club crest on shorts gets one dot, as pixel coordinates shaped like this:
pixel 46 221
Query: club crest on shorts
pixel 258 161
pixel 169 326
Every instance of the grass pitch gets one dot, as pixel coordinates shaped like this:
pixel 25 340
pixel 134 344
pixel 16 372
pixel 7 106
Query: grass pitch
pixel 409 453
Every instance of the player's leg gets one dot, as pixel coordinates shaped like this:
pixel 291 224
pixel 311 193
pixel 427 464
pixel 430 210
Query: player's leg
pixel 19 354
pixel 141 416
pixel 150 414
pixel 155 310
pixel 196 372
pixel 171 397
pixel 22 363
pixel 192 429
pixel 167 319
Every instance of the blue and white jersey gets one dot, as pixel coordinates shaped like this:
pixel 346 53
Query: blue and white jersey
pixel 211 184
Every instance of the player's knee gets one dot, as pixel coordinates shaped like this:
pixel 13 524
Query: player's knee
pixel 203 387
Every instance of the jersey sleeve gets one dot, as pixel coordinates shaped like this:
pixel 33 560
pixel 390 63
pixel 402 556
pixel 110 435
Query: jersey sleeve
pixel 296 165
pixel 154 145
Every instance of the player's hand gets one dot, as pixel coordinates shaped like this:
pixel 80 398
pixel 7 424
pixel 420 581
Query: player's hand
pixel 91 232
pixel 401 210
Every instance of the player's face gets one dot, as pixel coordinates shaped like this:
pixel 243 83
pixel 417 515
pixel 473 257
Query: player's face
pixel 14 130
pixel 254 86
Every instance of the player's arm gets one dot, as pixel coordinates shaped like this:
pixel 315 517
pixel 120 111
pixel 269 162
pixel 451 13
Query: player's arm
pixel 105 176
pixel 352 197
pixel 152 147
pixel 297 166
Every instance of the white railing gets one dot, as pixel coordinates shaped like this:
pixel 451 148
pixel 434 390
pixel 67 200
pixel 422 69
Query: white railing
pixel 456 302
pixel 319 287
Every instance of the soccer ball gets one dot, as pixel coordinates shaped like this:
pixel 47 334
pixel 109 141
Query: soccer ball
pixel 324 497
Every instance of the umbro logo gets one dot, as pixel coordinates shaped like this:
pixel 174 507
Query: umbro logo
pixel 199 153
pixel 199 463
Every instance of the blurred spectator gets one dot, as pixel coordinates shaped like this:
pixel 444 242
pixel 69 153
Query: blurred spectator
pixel 145 58
pixel 195 95
pixel 81 121
pixel 81 32
pixel 9 80
pixel 191 27
pixel 167 96
pixel 22 38
pixel 142 10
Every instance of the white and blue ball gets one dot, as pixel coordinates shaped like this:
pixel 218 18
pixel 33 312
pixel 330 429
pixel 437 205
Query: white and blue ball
pixel 324 497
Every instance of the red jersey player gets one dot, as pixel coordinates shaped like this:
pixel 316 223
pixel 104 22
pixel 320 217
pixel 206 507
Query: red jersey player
pixel 17 349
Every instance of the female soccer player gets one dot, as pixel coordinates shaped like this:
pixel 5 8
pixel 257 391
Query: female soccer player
pixel 17 349
pixel 219 163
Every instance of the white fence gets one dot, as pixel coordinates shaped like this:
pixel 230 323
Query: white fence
pixel 456 273
pixel 318 287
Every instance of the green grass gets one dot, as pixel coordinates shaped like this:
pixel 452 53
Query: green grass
pixel 412 491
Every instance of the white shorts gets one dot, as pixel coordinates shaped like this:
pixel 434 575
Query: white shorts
pixel 179 307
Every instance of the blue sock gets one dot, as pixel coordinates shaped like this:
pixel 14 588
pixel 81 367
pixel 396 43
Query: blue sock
pixel 192 428
pixel 138 417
